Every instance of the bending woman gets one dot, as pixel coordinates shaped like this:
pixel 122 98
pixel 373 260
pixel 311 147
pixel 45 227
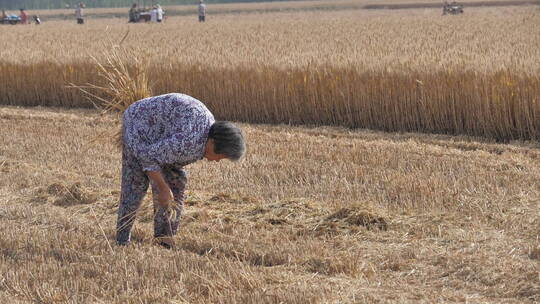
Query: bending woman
pixel 161 135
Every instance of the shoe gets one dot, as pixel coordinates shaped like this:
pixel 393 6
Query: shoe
pixel 166 241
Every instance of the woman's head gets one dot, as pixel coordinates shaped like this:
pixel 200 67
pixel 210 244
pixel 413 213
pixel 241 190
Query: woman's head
pixel 225 140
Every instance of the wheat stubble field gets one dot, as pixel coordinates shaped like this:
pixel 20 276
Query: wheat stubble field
pixel 312 214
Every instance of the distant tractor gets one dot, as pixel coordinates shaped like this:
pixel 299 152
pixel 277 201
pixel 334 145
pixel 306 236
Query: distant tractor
pixel 140 13
pixel 452 8
pixel 12 19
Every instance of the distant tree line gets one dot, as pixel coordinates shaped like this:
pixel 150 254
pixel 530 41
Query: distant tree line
pixel 49 4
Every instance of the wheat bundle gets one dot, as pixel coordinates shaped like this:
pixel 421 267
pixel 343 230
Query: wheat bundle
pixel 123 83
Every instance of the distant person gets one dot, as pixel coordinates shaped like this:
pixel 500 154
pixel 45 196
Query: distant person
pixel 159 13
pixel 133 14
pixel 160 136
pixel 4 15
pixel 79 13
pixel 37 20
pixel 202 11
pixel 154 14
pixel 23 16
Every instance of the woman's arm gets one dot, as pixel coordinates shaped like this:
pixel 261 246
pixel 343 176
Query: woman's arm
pixel 165 194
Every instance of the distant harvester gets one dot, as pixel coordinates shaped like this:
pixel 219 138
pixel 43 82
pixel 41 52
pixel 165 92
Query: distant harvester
pixel 452 8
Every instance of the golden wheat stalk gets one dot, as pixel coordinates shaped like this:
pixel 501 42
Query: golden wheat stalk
pixel 123 83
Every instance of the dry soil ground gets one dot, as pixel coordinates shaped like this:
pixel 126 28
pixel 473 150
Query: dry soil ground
pixel 311 215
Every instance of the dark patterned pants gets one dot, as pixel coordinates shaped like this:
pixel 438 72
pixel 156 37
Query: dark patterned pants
pixel 134 186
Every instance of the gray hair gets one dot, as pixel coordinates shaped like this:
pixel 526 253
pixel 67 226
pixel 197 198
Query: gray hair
pixel 228 140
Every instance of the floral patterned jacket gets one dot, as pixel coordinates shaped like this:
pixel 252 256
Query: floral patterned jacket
pixel 166 129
